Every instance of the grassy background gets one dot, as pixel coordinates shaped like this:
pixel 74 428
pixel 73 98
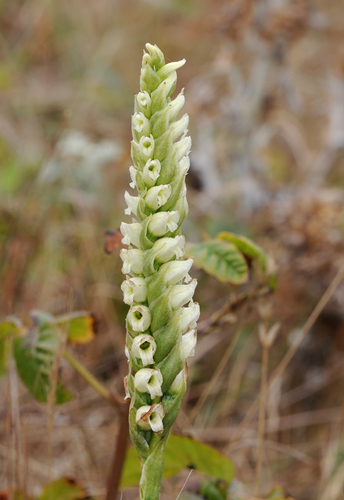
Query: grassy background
pixel 264 86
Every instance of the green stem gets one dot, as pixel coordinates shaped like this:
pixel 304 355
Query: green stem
pixel 91 380
pixel 152 469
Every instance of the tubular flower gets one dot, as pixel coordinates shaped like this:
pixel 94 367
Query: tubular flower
pixel 161 321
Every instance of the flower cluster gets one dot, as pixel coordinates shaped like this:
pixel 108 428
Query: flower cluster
pixel 162 317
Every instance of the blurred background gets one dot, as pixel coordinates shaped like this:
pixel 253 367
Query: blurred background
pixel 264 87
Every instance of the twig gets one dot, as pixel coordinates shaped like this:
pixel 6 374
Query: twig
pixel 112 399
pixel 292 350
pixel 119 454
pixel 261 423
pixel 230 306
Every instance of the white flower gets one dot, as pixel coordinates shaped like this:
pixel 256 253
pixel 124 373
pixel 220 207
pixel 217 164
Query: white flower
pixel 146 145
pixel 179 382
pixel 162 222
pixel 180 127
pixel 168 68
pixel 157 196
pixel 149 380
pixel 132 203
pixel 140 123
pixel 182 147
pixel 187 344
pixel 182 294
pixel 188 316
pixel 151 417
pixel 144 347
pixel 184 165
pixel 172 272
pixel 151 172
pixel 132 173
pixel 134 290
pixel 166 248
pixel 143 102
pixel 132 261
pixel 131 233
pixel 139 318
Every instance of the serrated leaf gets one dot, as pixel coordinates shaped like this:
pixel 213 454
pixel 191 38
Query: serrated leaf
pixel 80 326
pixel 181 452
pixel 250 249
pixel 221 259
pixel 63 489
pixel 35 354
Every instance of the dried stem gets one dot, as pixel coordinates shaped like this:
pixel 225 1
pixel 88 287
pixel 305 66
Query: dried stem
pixel 261 424
pixel 112 399
pixel 119 454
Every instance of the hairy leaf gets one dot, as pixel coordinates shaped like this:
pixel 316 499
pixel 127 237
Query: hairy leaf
pixel 181 452
pixel 250 249
pixel 80 326
pixel 221 259
pixel 35 356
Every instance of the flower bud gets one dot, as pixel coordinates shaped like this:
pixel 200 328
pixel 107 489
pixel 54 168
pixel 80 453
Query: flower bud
pixel 132 261
pixel 162 222
pixel 179 382
pixel 157 196
pixel 149 380
pixel 151 417
pixel 139 318
pixel 154 57
pixel 151 172
pixel 175 271
pixel 168 68
pixel 134 290
pixel 144 347
pixel 131 233
pixel 182 147
pixel 180 128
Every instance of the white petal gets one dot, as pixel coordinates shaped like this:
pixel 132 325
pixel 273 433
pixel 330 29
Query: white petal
pixel 139 318
pixel 132 203
pixel 151 172
pixel 134 289
pixel 132 173
pixel 162 222
pixel 149 380
pixel 140 349
pixel 131 233
pixel 182 294
pixel 188 316
pixel 132 261
pixel 157 196
pixel 187 344
pixel 146 145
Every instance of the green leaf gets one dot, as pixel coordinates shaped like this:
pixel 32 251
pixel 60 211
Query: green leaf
pixel 251 250
pixel 63 489
pixel 4 355
pixel 35 355
pixel 181 452
pixel 11 326
pixel 81 326
pixel 221 259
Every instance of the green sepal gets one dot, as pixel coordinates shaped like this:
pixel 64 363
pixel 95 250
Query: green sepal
pixel 149 80
pixel 160 96
pixel 161 310
pixel 164 146
pixel 145 242
pixel 169 167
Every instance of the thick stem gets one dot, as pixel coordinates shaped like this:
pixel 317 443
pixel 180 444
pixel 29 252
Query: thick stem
pixel 152 469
